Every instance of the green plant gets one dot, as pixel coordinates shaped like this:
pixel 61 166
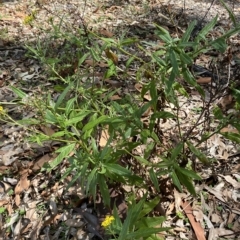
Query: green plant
pixel 136 225
pixel 2 210
pixel 22 211
pixel 10 192
pixel 91 114
pixel 83 112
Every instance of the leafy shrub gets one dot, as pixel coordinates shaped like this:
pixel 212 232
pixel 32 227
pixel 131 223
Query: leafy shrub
pixel 83 111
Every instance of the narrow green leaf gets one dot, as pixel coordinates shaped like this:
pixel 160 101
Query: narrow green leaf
pixel 158 59
pixel 174 63
pixel 219 44
pixel 148 207
pixel 128 41
pixel 50 117
pixel 169 83
pixel 178 87
pixel 29 121
pixel 231 14
pixel 163 34
pixel 188 173
pixel 185 58
pixel 104 189
pixel 231 32
pixel 149 222
pixel 218 114
pixel 115 168
pixel 190 79
pixel 186 181
pixel 77 118
pixel 206 29
pixel 92 184
pixel 154 179
pixel 62 96
pixel 58 134
pixel 176 181
pixel 201 156
pixel 136 211
pixel 70 105
pixel 116 216
pixel 142 160
pixel 90 179
pixel 74 179
pixel 236 94
pixel 176 151
pixel 125 229
pixel 129 61
pixel 94 123
pixel 64 152
pixel 142 109
pixel 188 32
pixel 95 56
pixel 145 233
pixel 18 92
pixel 82 59
pixel 112 69
pixel 235 137
pixel 236 124
pixel 164 164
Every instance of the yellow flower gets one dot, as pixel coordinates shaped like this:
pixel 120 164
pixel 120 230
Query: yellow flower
pixel 1 110
pixel 28 19
pixel 108 220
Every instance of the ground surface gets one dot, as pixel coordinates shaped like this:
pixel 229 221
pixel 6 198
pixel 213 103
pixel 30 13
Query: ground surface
pixel 38 206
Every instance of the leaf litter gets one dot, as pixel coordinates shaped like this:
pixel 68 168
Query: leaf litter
pixel 28 193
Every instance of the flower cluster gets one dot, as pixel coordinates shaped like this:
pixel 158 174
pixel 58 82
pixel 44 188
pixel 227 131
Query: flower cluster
pixel 108 220
pixel 29 19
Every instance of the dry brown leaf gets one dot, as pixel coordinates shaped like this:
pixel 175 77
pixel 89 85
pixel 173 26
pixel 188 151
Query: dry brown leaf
pixel 31 212
pixel 148 112
pixel 8 156
pixel 170 209
pixel 106 33
pixel 111 55
pixel 215 218
pixel 115 97
pixel 96 9
pixel 199 231
pixel 104 138
pixel 226 102
pixel 229 129
pixel 138 87
pixel 217 194
pixel 74 223
pixel 39 163
pixel 10 209
pixel 3 202
pixel 177 200
pixel 216 233
pixel 207 221
pixel 102 65
pixel 198 214
pixel 114 83
pixel 3 169
pixel 231 180
pixel 36 229
pixel 90 62
pixel 22 185
pixel 52 219
pixel 204 80
pixel 47 130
